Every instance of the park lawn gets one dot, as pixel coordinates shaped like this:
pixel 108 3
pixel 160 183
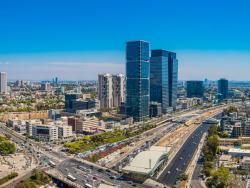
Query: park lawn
pixel 87 143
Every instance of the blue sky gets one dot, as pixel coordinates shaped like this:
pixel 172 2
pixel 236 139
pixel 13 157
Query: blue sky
pixel 77 39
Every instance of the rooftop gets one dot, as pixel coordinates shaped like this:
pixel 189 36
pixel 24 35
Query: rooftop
pixel 246 159
pixel 236 150
pixel 147 160
pixel 225 158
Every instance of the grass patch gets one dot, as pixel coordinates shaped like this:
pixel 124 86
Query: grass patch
pixel 87 143
pixel 7 178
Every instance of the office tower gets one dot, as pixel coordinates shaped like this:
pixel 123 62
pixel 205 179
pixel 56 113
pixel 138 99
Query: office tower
pixel 111 90
pixel 3 82
pixel 159 88
pixel 45 86
pixel 56 80
pixel 195 89
pixel 223 88
pixel 172 79
pixel 206 83
pixel 74 103
pixel 137 80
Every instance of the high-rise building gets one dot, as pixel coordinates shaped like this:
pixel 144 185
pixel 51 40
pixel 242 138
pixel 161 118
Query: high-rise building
pixel 159 88
pixel 3 82
pixel 56 80
pixel 137 80
pixel 111 90
pixel 172 78
pixel 45 86
pixel 105 90
pixel 195 89
pixel 118 89
pixel 223 88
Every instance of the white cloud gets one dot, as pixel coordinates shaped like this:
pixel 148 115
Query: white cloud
pixel 192 65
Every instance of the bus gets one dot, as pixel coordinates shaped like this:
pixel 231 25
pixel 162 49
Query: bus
pixel 51 163
pixel 70 177
pixel 87 185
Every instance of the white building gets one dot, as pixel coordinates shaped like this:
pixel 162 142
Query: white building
pixel 18 125
pixel 245 163
pixel 30 124
pixel 45 133
pixel 65 132
pixel 148 162
pixel 111 90
pixel 3 82
pixel 235 152
pixel 118 89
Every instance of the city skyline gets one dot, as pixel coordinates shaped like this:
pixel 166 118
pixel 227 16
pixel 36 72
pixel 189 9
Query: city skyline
pixel 67 42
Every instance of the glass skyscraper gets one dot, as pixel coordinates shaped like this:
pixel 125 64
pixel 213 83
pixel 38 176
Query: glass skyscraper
pixel 137 83
pixel 159 84
pixel 195 88
pixel 172 78
pixel 223 88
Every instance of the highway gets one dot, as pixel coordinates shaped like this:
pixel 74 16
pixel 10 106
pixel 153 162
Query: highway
pixel 93 175
pixel 181 160
pixel 196 179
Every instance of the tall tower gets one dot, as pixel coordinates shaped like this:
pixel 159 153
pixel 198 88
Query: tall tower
pixel 105 90
pixel 172 78
pixel 3 82
pixel 137 83
pixel 118 89
pixel 111 90
pixel 223 88
pixel 159 86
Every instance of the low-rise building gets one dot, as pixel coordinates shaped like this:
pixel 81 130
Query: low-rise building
pixel 226 160
pixel 45 133
pixel 235 152
pixel 147 163
pixel 245 163
pixel 64 132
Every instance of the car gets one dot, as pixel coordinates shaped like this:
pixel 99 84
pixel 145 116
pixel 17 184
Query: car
pixel 107 170
pixel 111 177
pixel 100 170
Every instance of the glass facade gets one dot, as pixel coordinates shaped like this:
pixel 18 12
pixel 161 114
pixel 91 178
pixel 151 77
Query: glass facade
pixel 137 83
pixel 159 90
pixel 172 78
pixel 195 89
pixel 223 88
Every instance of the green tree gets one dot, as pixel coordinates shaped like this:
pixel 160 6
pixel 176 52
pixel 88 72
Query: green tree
pixel 213 130
pixel 6 147
pixel 220 178
pixel 229 110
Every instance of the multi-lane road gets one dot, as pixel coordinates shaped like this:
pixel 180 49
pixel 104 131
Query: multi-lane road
pixel 93 175
pixel 181 160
